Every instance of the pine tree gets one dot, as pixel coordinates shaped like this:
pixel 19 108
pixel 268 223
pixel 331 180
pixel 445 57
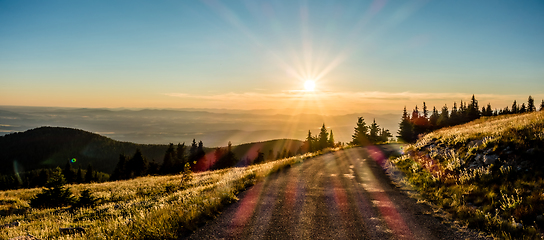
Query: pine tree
pixel 542 105
pixel 373 136
pixel 425 111
pixel 514 108
pixel 79 176
pixel 415 114
pixel 444 119
pixel 192 153
pixel 259 158
pixel 360 137
pixel 168 160
pixel 89 174
pixel 473 111
pixel 522 109
pixel 138 164
pixel 86 199
pixel 455 117
pixel 120 170
pixel 323 137
pixel 384 135
pixel 68 173
pixel 488 110
pixel 433 118
pixel 406 132
pixel 331 139
pixel 55 194
pixel 531 104
pixel 181 160
pixel 309 142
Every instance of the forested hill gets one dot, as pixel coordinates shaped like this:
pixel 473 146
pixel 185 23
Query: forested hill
pixel 49 147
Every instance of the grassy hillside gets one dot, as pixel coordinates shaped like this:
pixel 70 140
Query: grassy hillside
pixel 159 207
pixel 49 147
pixel 488 173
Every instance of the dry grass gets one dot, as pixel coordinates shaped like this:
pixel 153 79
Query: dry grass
pixel 153 207
pixel 504 197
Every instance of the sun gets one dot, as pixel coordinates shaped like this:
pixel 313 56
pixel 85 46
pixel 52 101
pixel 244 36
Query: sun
pixel 309 85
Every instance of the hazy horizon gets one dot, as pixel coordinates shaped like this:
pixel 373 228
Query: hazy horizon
pixel 291 58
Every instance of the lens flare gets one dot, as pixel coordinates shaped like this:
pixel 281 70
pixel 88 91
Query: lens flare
pixel 73 160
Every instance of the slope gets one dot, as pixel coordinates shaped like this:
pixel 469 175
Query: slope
pixel 487 173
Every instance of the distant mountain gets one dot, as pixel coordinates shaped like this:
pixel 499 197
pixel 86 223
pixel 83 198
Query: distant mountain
pixel 49 147
pixel 214 127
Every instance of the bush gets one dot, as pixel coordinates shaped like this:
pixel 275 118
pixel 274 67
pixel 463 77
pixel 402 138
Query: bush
pixel 55 194
pixel 86 199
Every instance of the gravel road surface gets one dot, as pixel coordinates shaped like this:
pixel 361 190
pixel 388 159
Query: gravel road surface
pixel 339 195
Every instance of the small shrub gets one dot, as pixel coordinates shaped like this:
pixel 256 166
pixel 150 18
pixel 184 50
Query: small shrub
pixel 55 194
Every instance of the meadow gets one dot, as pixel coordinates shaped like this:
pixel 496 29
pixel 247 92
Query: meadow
pixel 486 173
pixel 152 207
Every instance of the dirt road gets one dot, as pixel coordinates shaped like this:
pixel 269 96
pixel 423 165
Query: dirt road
pixel 340 195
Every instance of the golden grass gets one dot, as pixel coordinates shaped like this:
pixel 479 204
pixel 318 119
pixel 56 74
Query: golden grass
pixel 153 207
pixel 504 198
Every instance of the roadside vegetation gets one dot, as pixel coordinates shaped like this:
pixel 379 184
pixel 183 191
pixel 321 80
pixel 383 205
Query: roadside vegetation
pixel 488 173
pixel 152 207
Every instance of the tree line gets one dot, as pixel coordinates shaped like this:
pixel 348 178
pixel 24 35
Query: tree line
pixel 181 158
pixel 419 122
pixel 39 177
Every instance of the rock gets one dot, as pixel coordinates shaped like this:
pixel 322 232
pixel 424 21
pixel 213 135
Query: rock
pixel 71 230
pixel 27 237
pixel 490 159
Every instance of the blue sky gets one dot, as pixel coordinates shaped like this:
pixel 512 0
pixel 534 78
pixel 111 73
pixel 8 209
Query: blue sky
pixel 257 54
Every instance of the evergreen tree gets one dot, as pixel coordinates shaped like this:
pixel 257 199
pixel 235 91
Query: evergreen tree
pixel 522 109
pixel 531 104
pixel 259 158
pixel 542 105
pixel 384 135
pixel 405 132
pixel 331 139
pixel 120 171
pixel 425 111
pixel 360 137
pixel 415 114
pixel 455 115
pixel 138 164
pixel 192 153
pixel 153 167
pixel 86 199
pixel 55 194
pixel 443 119
pixel 514 108
pixel 310 142
pixel 200 151
pixel 488 111
pixel 68 173
pixel 473 111
pixel 373 137
pixel 168 160
pixel 79 176
pixel 89 174
pixel 433 118
pixel 323 138
pixel 181 160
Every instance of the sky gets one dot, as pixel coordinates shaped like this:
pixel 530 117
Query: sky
pixel 364 56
